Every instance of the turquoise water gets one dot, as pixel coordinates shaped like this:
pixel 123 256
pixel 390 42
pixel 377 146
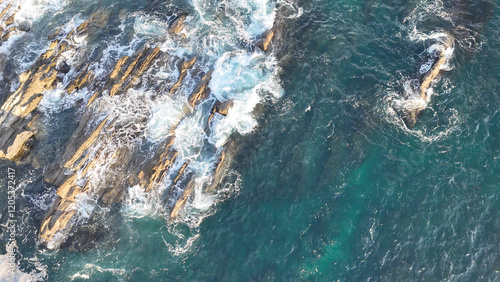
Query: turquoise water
pixel 330 184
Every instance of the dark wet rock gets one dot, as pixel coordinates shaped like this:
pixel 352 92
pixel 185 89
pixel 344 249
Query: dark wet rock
pixel 221 108
pixel 57 32
pixel 24 26
pixel 63 67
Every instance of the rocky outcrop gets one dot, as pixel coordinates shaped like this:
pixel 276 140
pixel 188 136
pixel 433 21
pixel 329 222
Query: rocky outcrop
pixel 183 67
pixel 87 151
pixel 201 91
pixel 266 39
pixel 7 24
pixel 439 59
pixel 18 112
pixel 109 145
pixel 102 159
pixel 177 24
pixel 221 108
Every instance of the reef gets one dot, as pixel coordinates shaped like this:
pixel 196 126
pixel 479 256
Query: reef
pixel 439 59
pixel 102 139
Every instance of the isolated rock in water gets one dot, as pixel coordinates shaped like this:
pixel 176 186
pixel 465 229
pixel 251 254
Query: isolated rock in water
pixel 266 39
pixel 410 115
pixel 177 24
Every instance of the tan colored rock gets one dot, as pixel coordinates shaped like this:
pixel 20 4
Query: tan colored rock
pixel 222 162
pixel 202 91
pixel 181 172
pixel 182 200
pixel 266 39
pixel 431 75
pixel 135 69
pixel 5 10
pixel 221 108
pixel 177 25
pixel 10 20
pixel 410 116
pixel 183 67
pixel 19 146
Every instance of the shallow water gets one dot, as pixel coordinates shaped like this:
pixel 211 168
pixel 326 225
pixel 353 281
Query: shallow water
pixel 328 183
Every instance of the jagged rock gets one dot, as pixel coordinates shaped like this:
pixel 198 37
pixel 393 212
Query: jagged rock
pixel 266 39
pixel 182 200
pixel 8 33
pixel 135 68
pixel 57 32
pixel 5 10
pixel 217 175
pixel 153 174
pixel 86 151
pixel 201 91
pixel 16 112
pixel 410 116
pixel 181 172
pixel 177 24
pixel 431 75
pixel 19 146
pixel 10 20
pixel 221 108
pixel 83 80
pixel 183 67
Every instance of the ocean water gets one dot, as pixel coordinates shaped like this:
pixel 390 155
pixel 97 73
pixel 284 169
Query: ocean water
pixel 327 182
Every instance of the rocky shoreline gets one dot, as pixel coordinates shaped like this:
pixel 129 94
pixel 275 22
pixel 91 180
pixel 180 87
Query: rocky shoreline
pixel 106 140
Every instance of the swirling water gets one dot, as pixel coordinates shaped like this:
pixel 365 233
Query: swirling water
pixel 328 183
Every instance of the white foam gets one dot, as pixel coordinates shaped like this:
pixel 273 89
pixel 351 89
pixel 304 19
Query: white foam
pixel 57 100
pixel 10 271
pixel 166 113
pixel 28 11
pixel 138 203
pixel 246 78
pixel 91 270
pixel 190 136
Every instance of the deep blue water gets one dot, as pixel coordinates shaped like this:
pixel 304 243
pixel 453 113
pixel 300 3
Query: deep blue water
pixel 329 185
